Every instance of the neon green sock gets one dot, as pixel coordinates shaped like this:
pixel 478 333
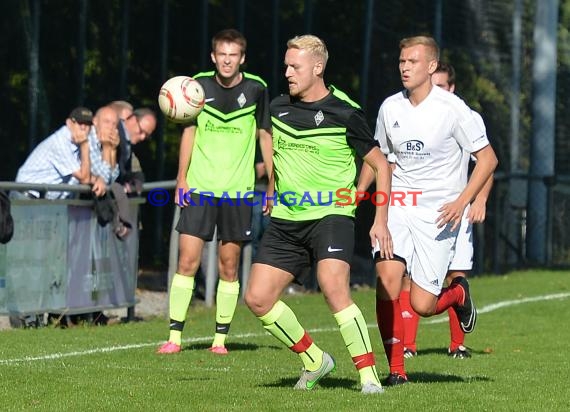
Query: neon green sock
pixel 179 301
pixel 355 334
pixel 282 323
pixel 226 302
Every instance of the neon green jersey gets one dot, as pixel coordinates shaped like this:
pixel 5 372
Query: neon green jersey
pixel 222 162
pixel 314 150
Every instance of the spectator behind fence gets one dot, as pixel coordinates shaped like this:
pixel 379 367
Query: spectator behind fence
pixel 104 140
pixel 62 158
pixel 135 128
pixel 103 143
pixel 123 109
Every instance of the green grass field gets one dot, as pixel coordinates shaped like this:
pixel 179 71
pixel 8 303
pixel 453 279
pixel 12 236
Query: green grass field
pixel 520 360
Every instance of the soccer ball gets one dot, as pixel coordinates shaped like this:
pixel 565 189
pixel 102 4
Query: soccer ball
pixel 181 99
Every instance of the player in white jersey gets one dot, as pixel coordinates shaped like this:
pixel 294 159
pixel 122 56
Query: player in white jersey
pixel 444 77
pixel 462 262
pixel 425 130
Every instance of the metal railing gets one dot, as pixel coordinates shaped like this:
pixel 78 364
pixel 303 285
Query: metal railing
pixel 89 267
pixel 209 265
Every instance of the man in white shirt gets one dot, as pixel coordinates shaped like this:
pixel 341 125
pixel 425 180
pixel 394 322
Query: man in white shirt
pixel 63 157
pixel 444 77
pixel 425 130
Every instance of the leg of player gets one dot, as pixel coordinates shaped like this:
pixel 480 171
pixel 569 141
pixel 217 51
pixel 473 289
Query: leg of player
pixel 265 285
pixel 461 263
pixel 389 317
pixel 426 303
pixel 456 348
pixel 181 290
pixel 411 320
pixel 227 293
pixel 333 277
pixel 429 264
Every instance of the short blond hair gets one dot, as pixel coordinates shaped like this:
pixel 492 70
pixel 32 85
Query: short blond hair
pixel 427 41
pixel 314 45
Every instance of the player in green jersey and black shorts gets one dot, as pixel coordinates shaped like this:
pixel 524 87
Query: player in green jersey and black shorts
pixel 317 133
pixel 215 175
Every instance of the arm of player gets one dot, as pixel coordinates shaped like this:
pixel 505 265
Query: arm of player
pixel 266 146
pixel 477 210
pixel 184 158
pixel 379 233
pixel 484 168
pixel 367 176
pixel 365 179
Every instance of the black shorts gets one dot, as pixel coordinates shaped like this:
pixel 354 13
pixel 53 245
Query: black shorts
pixel 232 217
pixel 295 246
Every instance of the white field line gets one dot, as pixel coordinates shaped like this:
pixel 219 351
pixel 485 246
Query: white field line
pixel 55 356
pixel 506 303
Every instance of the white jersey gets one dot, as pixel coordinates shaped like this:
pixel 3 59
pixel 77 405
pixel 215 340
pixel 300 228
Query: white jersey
pixel 466 155
pixel 463 256
pixel 427 142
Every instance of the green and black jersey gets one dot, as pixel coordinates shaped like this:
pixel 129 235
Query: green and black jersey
pixel 314 149
pixel 222 160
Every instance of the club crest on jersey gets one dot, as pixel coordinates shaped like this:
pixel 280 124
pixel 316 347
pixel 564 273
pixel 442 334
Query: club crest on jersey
pixel 319 117
pixel 241 100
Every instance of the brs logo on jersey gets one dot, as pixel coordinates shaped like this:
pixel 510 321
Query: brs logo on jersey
pixel 412 146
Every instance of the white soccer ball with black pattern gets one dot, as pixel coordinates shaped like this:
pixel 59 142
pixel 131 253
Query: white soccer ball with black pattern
pixel 181 99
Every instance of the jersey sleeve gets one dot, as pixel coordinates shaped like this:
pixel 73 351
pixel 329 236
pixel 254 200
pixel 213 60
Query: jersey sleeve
pixel 358 134
pixel 470 130
pixel 481 124
pixel 381 134
pixel 262 115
